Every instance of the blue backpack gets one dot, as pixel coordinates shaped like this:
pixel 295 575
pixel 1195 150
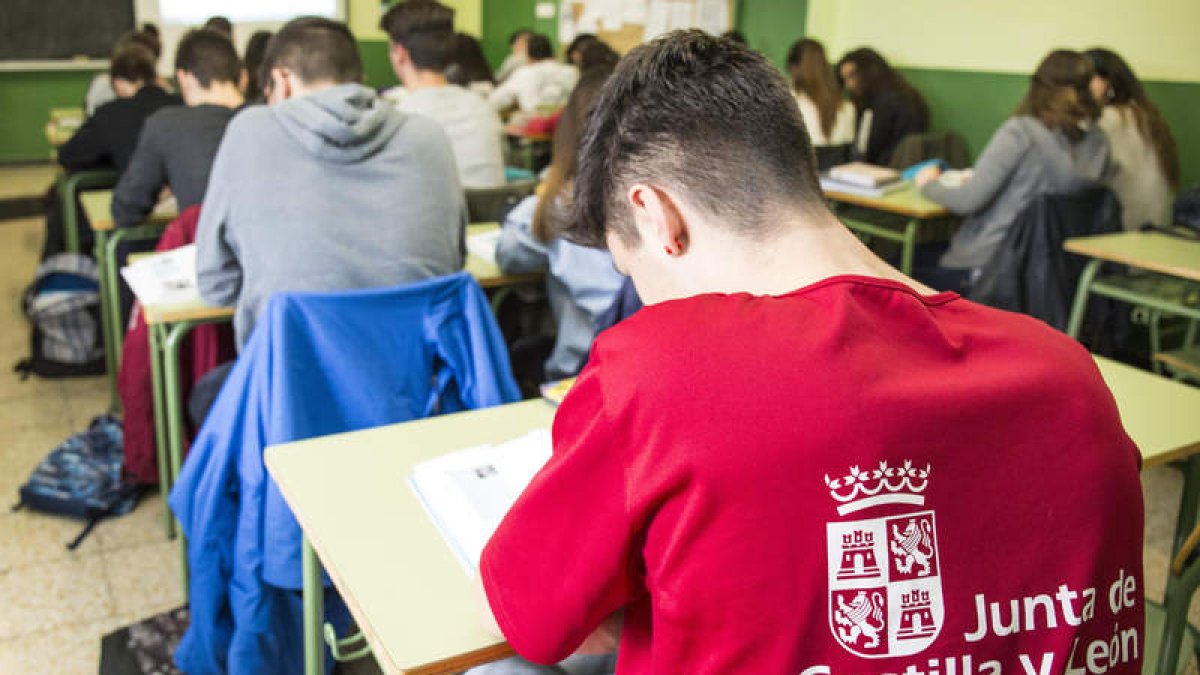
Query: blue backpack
pixel 81 478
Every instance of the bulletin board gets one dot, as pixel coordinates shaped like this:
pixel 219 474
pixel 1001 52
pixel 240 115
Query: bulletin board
pixel 624 24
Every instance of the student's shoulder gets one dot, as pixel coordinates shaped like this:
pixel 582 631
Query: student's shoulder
pixel 251 119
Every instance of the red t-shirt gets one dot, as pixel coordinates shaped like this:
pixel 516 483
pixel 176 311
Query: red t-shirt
pixel 836 480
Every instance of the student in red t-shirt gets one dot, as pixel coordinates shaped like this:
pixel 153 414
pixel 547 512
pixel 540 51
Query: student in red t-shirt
pixel 795 459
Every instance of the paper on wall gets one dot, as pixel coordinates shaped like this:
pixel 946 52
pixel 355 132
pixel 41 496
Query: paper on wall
pixel 634 12
pixel 658 13
pixel 712 16
pixel 681 15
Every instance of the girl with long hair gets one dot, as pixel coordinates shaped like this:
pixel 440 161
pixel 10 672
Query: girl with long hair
pixel 889 108
pixel 828 117
pixel 1145 157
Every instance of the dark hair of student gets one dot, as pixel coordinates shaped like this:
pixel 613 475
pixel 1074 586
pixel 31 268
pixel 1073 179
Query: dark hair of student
pixel 150 29
pixel 1059 94
pixel 144 38
pixel 575 49
pixel 567 134
pixel 316 49
pixel 221 25
pixel 877 75
pixel 596 54
pixel 812 76
pixel 209 56
pixel 256 49
pixel 133 62
pixel 517 35
pixel 539 48
pixel 1124 89
pixel 735 35
pixel 425 28
pixel 468 64
pixel 706 117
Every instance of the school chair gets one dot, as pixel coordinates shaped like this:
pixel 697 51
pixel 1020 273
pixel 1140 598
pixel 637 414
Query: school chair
pixel 490 205
pixel 1169 635
pixel 948 146
pixel 1030 273
pixel 829 156
pixel 69 188
pixel 315 364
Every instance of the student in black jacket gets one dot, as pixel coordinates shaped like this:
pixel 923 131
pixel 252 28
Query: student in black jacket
pixel 889 108
pixel 107 139
pixel 178 143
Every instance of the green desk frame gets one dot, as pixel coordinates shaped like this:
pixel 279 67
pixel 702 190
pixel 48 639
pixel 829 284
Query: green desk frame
pixel 69 188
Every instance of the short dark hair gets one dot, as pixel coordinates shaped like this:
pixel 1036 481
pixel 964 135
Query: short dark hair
pixel 315 49
pixel 423 27
pixel 143 37
pixel 704 116
pixel 132 62
pixel 221 25
pixel 256 49
pixel 539 47
pixel 209 56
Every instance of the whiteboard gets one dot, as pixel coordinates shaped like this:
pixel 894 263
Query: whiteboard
pixel 624 24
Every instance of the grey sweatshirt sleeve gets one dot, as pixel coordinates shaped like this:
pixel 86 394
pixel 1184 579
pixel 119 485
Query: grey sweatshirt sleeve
pixel 218 270
pixel 518 251
pixel 137 191
pixel 992 170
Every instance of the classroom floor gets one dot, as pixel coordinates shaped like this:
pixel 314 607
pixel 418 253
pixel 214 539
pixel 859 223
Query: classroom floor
pixel 56 604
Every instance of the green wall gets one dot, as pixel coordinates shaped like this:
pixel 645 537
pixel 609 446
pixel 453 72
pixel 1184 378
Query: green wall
pixel 771 26
pixel 26 99
pixel 975 104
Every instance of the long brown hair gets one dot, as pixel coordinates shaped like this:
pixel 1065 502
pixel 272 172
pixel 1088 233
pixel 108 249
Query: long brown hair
pixel 1059 94
pixel 812 76
pixel 1126 90
pixel 566 142
pixel 876 76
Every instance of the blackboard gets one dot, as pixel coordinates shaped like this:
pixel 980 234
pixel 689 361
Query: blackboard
pixel 39 30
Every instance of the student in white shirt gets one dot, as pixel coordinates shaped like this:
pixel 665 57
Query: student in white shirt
pixel 1140 142
pixel 828 117
pixel 422 44
pixel 542 83
pixel 517 54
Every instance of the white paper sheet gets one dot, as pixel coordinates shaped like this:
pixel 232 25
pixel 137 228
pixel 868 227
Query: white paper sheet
pixel 658 14
pixel 483 245
pixel 167 278
pixel 712 16
pixel 682 15
pixel 634 12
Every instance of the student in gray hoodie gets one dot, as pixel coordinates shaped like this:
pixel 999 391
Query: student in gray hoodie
pixel 327 188
pixel 1051 144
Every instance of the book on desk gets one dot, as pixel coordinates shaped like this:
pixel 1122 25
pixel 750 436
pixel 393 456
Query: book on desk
pixel 865 180
pixel 467 493
pixel 167 278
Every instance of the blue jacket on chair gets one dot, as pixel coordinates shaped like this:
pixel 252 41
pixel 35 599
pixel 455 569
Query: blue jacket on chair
pixel 317 364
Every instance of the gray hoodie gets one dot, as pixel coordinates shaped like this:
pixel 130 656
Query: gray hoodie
pixel 1023 160
pixel 333 190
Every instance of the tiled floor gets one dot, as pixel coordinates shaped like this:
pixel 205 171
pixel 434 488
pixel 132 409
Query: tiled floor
pixel 56 604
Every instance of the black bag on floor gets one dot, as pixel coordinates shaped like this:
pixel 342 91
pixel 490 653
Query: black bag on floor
pixel 63 304
pixel 146 647
pixel 81 478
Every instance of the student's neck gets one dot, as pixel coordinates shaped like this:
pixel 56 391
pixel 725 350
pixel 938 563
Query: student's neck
pixel 218 93
pixel 424 79
pixel 813 249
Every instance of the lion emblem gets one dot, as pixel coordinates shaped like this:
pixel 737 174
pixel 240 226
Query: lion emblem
pixel 863 617
pixel 913 546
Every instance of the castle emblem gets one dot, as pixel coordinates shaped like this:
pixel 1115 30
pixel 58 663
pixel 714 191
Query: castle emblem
pixel 885 591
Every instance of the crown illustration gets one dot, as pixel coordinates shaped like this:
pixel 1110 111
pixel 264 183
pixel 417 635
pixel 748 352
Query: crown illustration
pixel 860 489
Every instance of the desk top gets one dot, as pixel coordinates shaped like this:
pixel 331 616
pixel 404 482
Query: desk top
pixel 1146 250
pixel 97 204
pixel 907 202
pixel 406 590
pixel 485 272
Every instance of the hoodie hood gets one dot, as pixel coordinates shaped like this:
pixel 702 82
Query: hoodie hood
pixel 345 123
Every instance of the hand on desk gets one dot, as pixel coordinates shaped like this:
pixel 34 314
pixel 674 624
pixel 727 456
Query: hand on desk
pixel 926 175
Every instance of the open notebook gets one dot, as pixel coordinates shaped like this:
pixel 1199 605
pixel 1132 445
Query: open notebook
pixel 467 493
pixel 167 278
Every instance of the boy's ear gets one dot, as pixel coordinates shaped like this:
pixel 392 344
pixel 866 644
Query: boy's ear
pixel 658 218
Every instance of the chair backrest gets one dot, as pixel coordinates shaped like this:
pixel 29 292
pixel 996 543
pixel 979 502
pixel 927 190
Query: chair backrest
pixel 490 205
pixel 948 146
pixel 829 156
pixel 1030 272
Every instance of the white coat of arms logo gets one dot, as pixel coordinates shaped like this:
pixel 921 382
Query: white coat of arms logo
pixel 885 589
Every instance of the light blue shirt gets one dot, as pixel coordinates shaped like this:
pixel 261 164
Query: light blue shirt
pixel 581 282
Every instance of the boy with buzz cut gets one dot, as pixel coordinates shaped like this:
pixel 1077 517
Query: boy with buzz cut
pixel 327 187
pixel 178 144
pixel 795 459
pixel 422 45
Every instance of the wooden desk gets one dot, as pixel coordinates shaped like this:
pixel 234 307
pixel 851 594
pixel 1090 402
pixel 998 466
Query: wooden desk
pixel 907 202
pixel 97 205
pixel 487 272
pixel 405 588
pixel 1159 253
pixel 63 124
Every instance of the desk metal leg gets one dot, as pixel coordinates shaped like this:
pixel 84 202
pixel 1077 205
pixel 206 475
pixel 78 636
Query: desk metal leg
pixel 108 324
pixel 1189 503
pixel 160 431
pixel 172 396
pixel 314 611
pixel 907 246
pixel 1081 297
